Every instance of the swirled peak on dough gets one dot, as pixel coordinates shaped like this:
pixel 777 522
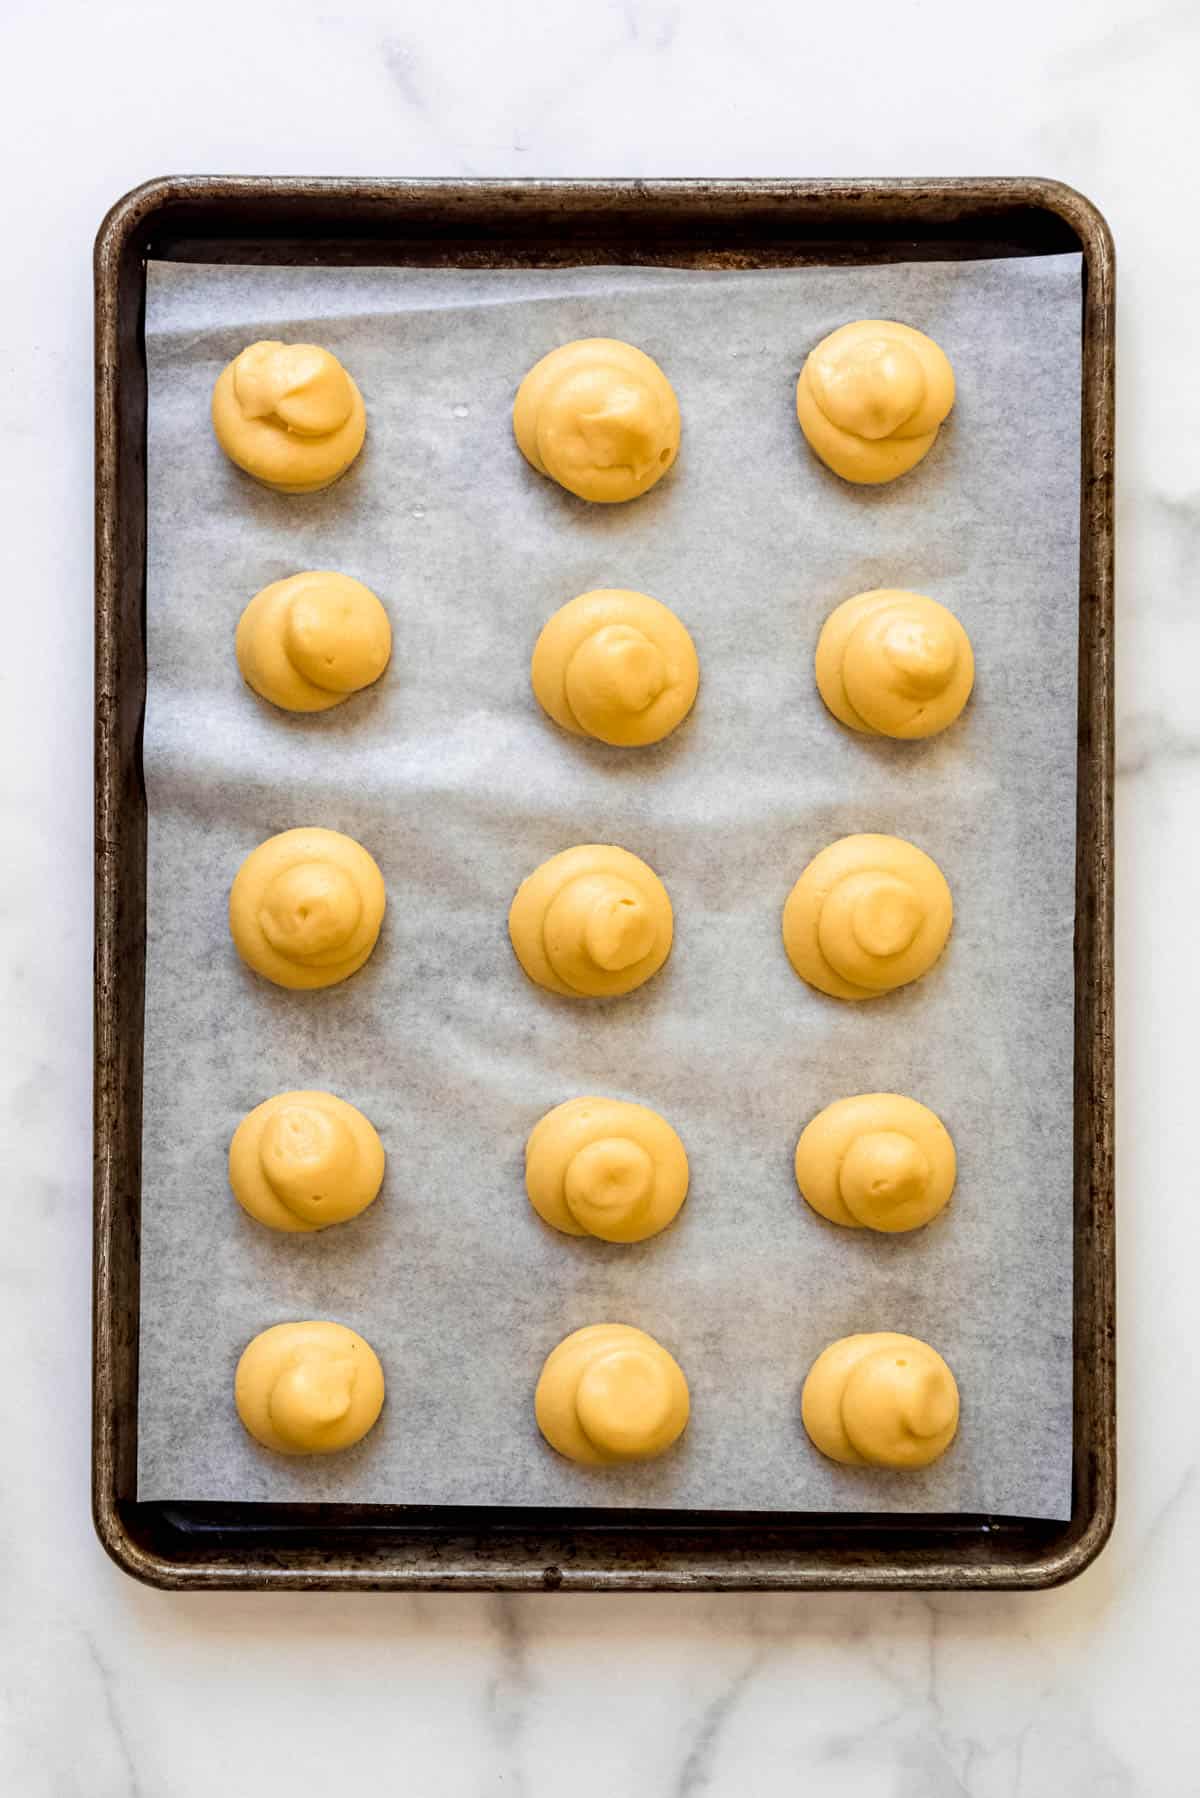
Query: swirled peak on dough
pixel 599 417
pixel 289 414
pixel 894 664
pixel 308 1388
pixel 611 1393
pixel 615 665
pixel 304 1160
pixel 308 642
pixel 880 1400
pixel 305 907
pixel 606 1168
pixel 870 399
pixel 868 914
pixel 592 922
pixel 877 1161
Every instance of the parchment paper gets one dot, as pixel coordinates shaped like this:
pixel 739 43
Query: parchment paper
pixel 453 778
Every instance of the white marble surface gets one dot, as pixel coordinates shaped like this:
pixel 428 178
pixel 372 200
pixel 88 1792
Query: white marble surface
pixel 111 1691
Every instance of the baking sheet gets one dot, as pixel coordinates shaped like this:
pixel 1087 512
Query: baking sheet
pixel 453 778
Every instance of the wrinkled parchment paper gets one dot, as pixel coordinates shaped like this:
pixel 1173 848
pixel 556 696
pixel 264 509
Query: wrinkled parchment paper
pixel 450 774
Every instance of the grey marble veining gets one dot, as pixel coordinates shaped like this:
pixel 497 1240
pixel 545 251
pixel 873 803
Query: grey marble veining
pixel 110 1691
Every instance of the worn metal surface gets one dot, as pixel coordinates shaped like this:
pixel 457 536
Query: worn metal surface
pixel 479 223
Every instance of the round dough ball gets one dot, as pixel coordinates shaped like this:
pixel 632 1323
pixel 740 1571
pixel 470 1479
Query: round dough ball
pixel 307 643
pixel 599 417
pixel 289 414
pixel 304 1160
pixel 305 908
pixel 592 922
pixel 894 664
pixel 878 1161
pixel 616 665
pixel 611 1393
pixel 308 1388
pixel 868 914
pixel 870 399
pixel 606 1168
pixel 880 1400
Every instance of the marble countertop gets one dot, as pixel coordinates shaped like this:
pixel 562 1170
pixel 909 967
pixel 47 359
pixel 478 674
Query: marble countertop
pixel 108 1690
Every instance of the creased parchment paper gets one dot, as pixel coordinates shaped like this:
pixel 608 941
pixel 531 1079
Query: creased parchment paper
pixel 450 774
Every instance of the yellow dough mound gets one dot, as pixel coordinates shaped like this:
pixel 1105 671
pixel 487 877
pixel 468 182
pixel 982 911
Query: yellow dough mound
pixel 878 1161
pixel 611 1393
pixel 305 908
pixel 599 417
pixel 870 399
pixel 307 643
pixel 304 1160
pixel 606 1168
pixel 616 665
pixel 868 914
pixel 289 414
pixel 894 664
pixel 592 922
pixel 308 1388
pixel 880 1400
